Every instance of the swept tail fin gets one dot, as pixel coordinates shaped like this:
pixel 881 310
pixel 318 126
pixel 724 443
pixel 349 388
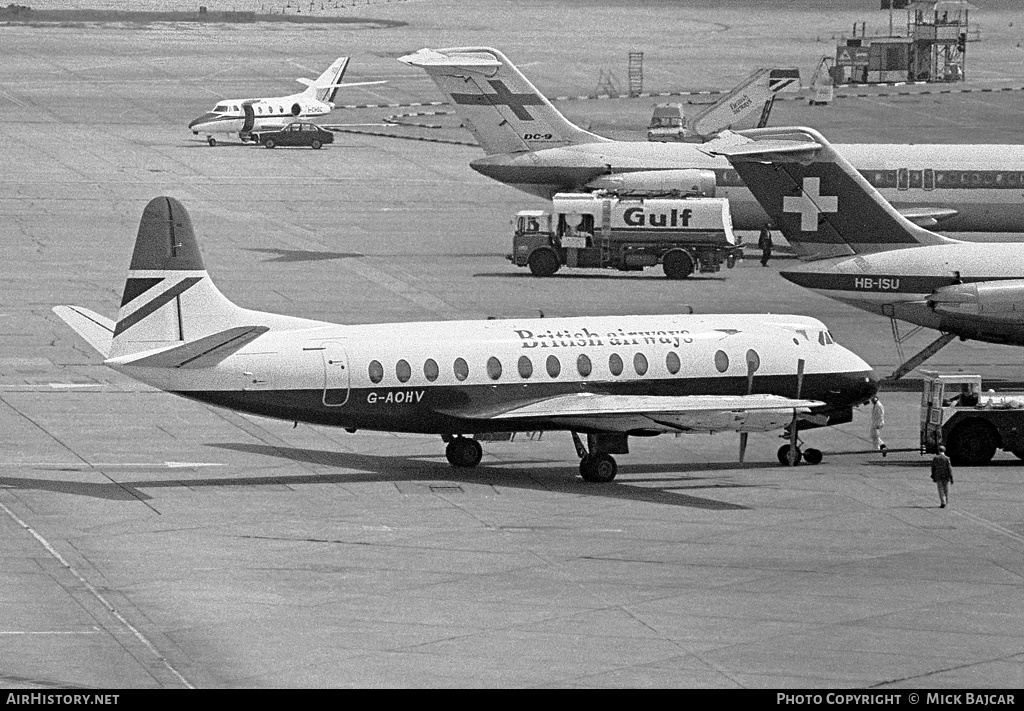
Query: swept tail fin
pixel 325 86
pixel 499 106
pixel 823 205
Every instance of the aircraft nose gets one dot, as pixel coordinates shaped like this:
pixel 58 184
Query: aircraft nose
pixel 200 120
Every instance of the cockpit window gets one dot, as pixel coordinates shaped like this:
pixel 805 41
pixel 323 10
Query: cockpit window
pixel 221 108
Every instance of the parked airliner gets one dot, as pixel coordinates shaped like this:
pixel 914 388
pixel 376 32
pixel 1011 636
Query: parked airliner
pixel 244 116
pixel 607 377
pixel 864 253
pixel 533 147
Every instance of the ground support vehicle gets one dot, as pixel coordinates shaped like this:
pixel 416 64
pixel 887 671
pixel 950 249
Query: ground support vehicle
pixel 972 424
pixel 593 230
pixel 297 133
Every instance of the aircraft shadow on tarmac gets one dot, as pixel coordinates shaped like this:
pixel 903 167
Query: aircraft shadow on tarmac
pixel 372 468
pixel 302 255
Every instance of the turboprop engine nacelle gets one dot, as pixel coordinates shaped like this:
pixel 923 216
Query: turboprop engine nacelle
pixel 658 182
pixel 1001 301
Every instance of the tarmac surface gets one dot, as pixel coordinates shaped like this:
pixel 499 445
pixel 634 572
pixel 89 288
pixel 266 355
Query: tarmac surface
pixel 153 542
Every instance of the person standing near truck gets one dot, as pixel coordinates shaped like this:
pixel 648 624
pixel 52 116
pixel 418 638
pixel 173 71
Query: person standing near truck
pixel 764 241
pixel 942 475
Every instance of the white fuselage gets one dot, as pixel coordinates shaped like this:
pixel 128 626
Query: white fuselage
pixel 233 116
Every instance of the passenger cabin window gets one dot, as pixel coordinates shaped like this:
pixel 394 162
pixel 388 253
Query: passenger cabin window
pixel 722 361
pixel 672 362
pixel 915 178
pixel 902 179
pixel 402 371
pixel 583 366
pixel 615 364
pixel 640 364
pixel 493 368
pixel 525 367
pixel 461 369
pixel 553 366
pixel 376 371
pixel 430 370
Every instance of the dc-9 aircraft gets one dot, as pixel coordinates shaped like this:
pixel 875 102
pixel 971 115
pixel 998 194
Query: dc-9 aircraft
pixel 530 145
pixel 609 378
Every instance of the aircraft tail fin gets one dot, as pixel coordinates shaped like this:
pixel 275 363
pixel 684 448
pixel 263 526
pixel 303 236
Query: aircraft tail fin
pixel 500 107
pixel 325 87
pixel 823 205
pixel 754 95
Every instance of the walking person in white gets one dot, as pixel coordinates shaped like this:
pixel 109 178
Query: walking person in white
pixel 877 423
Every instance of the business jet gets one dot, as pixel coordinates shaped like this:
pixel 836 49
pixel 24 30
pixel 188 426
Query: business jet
pixel 608 378
pixel 244 116
pixel 533 147
pixel 863 252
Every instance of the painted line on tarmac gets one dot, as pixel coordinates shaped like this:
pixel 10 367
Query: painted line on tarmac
pixel 99 597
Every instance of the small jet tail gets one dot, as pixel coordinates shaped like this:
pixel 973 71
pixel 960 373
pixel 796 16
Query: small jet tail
pixel 169 301
pixel 499 106
pixel 327 84
pixel 754 95
pixel 823 205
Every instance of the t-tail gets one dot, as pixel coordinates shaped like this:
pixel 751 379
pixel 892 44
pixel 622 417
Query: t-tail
pixel 752 97
pixel 171 313
pixel 499 106
pixel 823 205
pixel 328 83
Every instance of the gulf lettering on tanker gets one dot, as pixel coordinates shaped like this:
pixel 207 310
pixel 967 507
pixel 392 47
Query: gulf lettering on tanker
pixel 641 217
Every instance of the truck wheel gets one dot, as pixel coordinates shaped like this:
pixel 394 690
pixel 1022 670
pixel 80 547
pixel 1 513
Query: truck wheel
pixel 972 443
pixel 677 264
pixel 543 263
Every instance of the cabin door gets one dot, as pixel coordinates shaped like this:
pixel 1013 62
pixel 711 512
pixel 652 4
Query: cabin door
pixel 336 373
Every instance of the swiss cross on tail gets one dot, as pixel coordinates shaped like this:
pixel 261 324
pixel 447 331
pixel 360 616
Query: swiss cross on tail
pixel 502 97
pixel 810 204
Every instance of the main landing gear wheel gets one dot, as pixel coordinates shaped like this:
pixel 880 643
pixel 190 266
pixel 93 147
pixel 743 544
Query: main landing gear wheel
pixel 809 455
pixel 784 455
pixel 600 468
pixel 463 452
pixel 211 140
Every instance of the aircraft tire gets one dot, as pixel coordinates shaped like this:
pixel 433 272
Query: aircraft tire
pixel 464 452
pixel 783 455
pixel 677 264
pixel 316 145
pixel 598 468
pixel 812 455
pixel 972 443
pixel 269 143
pixel 543 263
pixel 212 141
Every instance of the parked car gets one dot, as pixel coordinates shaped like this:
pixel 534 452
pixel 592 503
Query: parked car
pixel 297 133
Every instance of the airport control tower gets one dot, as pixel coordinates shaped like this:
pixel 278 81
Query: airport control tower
pixel 934 48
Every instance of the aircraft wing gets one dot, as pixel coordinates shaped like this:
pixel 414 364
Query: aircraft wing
pixel 928 216
pixel 679 413
pixel 204 352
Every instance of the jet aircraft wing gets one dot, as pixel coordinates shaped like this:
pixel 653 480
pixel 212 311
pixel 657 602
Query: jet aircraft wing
pixel 928 216
pixel 678 413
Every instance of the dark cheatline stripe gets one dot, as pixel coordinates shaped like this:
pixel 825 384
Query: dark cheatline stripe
pixel 877 283
pixel 165 298
pixel 135 287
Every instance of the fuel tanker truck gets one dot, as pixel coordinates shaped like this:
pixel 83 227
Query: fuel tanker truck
pixel 605 231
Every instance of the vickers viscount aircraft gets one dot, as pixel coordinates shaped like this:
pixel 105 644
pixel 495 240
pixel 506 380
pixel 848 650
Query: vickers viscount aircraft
pixel 533 147
pixel 864 253
pixel 244 116
pixel 608 377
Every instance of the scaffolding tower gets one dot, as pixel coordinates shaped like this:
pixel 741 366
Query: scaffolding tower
pixel 636 74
